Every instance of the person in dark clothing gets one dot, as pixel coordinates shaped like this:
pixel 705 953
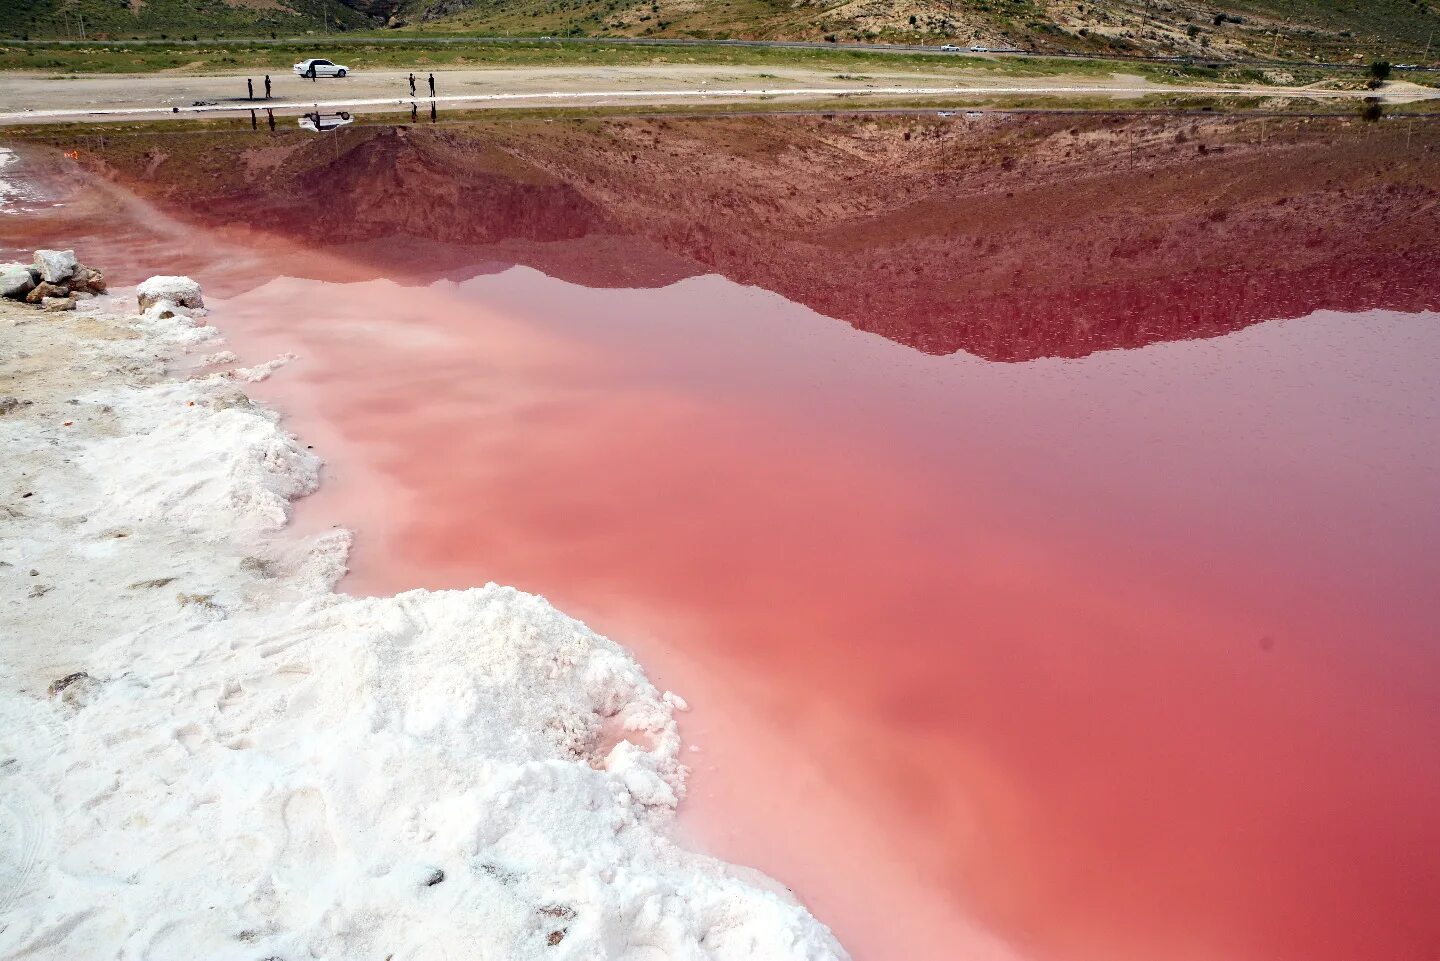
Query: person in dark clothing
pixel 254 121
pixel 249 89
pixel 432 111
pixel 267 86
pixel 412 85
pixel 432 85
pixel 270 118
pixel 414 112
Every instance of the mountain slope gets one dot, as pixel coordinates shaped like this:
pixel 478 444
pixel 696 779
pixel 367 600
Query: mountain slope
pixel 175 19
pixel 1286 29
pixel 1333 29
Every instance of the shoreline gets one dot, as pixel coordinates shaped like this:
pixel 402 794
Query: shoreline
pixel 569 98
pixel 208 750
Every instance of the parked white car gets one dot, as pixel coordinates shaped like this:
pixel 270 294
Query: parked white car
pixel 320 68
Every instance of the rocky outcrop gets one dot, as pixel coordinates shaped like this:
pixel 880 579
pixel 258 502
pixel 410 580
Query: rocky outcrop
pixel 55 280
pixel 374 8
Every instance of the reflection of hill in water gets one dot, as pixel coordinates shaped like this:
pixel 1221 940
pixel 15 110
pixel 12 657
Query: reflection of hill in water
pixel 1007 237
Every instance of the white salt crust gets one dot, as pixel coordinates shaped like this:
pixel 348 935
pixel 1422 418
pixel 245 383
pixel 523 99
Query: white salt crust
pixel 256 767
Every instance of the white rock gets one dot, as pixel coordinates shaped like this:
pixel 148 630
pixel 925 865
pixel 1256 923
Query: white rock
pixel 178 290
pixel 15 280
pixel 55 266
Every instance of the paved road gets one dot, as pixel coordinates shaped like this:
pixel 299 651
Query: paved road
pixel 880 48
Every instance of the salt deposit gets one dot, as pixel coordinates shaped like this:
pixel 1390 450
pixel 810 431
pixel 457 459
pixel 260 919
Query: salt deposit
pixel 177 290
pixel 206 753
pixel 12 192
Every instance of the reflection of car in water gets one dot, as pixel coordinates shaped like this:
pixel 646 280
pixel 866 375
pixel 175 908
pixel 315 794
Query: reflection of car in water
pixel 319 122
pixel 320 68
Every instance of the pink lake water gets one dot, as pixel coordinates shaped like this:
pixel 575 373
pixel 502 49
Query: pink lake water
pixel 1148 636
pixel 1127 657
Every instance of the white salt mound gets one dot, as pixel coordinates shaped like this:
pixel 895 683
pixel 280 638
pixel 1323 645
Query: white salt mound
pixel 251 766
pixel 178 290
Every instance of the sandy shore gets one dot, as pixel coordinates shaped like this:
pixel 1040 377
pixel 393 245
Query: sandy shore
pixel 207 753
pixel 30 97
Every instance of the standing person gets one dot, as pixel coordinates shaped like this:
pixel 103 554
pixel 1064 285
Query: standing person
pixel 254 122
pixel 432 85
pixel 270 118
pixel 412 85
pixel 267 86
pixel 249 89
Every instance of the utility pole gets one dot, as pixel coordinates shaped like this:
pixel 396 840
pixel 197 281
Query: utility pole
pixel 1426 55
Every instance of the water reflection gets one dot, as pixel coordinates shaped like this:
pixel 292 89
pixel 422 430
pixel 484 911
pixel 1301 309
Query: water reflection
pixel 1133 658
pixel 1007 237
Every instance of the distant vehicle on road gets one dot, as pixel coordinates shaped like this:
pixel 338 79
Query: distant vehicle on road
pixel 320 68
pixel 949 48
pixel 979 49
pixel 321 122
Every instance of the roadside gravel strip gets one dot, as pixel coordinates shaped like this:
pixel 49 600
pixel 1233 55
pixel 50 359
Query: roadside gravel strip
pixel 563 97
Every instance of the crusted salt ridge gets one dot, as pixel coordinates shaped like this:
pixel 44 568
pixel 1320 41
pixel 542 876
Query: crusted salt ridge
pixel 258 767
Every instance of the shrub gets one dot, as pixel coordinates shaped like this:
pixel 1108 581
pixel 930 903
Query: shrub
pixel 1380 70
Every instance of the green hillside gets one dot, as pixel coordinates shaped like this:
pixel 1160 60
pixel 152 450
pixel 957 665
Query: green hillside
pixel 174 19
pixel 1290 29
pixel 1400 30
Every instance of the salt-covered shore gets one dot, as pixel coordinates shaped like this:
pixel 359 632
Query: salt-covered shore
pixel 207 753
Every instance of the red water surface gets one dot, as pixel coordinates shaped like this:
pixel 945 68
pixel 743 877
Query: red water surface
pixel 1128 657
pixel 1131 657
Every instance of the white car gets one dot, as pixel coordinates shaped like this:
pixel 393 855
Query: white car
pixel 320 68
pixel 949 48
pixel 321 122
pixel 979 49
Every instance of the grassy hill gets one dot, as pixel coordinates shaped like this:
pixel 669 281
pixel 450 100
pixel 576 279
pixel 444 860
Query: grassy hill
pixel 1400 30
pixel 1290 29
pixel 173 19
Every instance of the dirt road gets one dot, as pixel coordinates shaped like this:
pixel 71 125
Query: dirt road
pixel 26 98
